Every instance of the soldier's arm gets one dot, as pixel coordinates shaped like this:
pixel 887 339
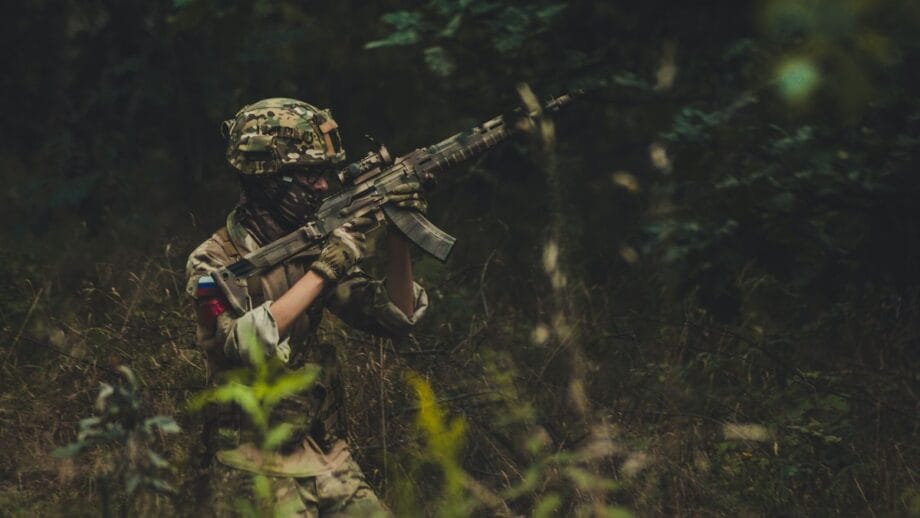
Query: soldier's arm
pixel 399 282
pixel 390 307
pixel 226 338
pixel 296 300
pixel 399 286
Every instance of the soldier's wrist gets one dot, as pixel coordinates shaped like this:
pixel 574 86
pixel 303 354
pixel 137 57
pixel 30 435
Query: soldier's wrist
pixel 325 270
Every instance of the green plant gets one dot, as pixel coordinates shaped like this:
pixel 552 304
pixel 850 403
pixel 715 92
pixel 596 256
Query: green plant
pixel 435 26
pixel 257 390
pixel 121 423
pixel 554 481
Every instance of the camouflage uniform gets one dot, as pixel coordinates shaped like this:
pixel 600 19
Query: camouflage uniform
pixel 313 474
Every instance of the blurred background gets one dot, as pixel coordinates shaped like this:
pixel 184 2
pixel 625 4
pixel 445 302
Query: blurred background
pixel 712 266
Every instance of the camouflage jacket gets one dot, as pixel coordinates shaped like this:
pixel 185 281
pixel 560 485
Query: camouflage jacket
pixel 358 300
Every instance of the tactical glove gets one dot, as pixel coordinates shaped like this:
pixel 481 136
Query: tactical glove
pixel 345 247
pixel 409 196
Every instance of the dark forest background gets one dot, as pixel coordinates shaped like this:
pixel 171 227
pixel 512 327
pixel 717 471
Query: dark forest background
pixel 699 298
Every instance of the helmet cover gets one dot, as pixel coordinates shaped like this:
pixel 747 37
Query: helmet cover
pixel 280 133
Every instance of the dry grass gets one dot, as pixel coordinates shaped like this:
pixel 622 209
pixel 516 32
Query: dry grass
pixel 834 435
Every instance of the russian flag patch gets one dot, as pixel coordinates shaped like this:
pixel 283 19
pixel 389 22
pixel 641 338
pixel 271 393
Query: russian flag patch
pixel 211 302
pixel 206 288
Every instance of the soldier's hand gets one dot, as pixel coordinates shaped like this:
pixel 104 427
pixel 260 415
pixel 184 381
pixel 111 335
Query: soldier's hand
pixel 409 196
pixel 346 246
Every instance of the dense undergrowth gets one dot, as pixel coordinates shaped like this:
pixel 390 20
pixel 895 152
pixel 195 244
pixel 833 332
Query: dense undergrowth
pixel 682 415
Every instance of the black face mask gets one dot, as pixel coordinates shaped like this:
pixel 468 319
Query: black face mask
pixel 278 204
pixel 298 202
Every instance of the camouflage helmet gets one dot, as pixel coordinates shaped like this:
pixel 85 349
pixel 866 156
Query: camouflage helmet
pixel 277 133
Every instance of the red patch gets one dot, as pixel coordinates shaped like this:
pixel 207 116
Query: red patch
pixel 209 309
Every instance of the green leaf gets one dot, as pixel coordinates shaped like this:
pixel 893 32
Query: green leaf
pixel 802 136
pixel 242 375
pixel 245 508
pixel 128 375
pixel 402 20
pixel 530 481
pixel 450 29
pixel 290 384
pixel 237 393
pixel 547 506
pixel 131 483
pixel 89 422
pixel 105 392
pixel 90 427
pixel 407 25
pixel 261 487
pixel 249 341
pixel 439 61
pixel 617 512
pixel 728 182
pixel 277 435
pixel 399 38
pixel 631 80
pixel 550 12
pixel 161 486
pixel 250 405
pixel 479 8
pixel 157 460
pixel 164 423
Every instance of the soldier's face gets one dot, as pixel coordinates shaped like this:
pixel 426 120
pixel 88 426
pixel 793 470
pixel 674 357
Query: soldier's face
pixel 314 181
pixel 293 196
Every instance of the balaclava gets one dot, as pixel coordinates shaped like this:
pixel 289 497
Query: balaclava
pixel 275 205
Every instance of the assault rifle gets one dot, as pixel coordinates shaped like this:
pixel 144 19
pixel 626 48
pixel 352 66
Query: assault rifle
pixel 369 182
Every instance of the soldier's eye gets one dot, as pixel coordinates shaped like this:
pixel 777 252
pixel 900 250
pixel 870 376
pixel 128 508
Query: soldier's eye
pixel 306 177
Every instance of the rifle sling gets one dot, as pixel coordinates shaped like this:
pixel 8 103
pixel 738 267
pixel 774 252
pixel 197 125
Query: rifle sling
pixel 254 289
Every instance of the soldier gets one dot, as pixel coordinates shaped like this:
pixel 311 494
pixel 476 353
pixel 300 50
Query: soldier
pixel 282 150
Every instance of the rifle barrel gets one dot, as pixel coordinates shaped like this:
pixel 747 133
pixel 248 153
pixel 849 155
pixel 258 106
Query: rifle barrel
pixel 465 145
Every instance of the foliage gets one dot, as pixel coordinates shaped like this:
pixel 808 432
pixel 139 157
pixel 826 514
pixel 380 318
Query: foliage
pixel 796 210
pixel 441 445
pixel 120 423
pixel 508 24
pixel 567 473
pixel 257 390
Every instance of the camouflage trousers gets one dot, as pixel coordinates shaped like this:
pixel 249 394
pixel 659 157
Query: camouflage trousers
pixel 342 493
